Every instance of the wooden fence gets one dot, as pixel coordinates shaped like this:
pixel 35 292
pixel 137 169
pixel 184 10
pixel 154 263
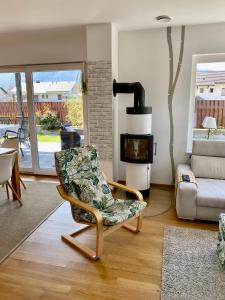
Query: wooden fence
pixel 210 108
pixel 9 111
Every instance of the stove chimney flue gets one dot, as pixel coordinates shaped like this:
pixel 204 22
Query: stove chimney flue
pixel 139 95
pixel 131 88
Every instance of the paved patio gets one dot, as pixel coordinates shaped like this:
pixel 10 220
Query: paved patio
pixel 46 151
pixel 46 158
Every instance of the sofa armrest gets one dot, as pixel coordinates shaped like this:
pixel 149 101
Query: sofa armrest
pixel 186 194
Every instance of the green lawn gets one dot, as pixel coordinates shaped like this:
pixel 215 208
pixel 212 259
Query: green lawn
pixel 48 138
pixel 45 138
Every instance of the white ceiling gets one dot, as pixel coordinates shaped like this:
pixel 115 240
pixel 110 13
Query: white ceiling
pixel 127 14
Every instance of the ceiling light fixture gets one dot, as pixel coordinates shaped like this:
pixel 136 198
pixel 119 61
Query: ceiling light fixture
pixel 163 19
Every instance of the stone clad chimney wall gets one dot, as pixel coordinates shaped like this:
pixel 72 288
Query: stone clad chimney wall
pixel 99 105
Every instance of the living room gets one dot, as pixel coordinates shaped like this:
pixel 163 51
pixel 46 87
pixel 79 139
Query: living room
pixel 131 89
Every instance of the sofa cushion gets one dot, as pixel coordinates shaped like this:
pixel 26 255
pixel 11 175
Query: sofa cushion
pixel 211 193
pixel 209 148
pixel 208 167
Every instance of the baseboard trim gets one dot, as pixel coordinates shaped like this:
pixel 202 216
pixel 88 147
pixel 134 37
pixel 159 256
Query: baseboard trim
pixel 156 185
pixel 160 185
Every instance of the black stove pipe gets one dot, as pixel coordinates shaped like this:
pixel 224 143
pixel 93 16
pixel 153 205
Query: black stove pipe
pixel 131 88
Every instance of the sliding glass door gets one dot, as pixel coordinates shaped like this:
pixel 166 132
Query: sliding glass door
pixel 14 123
pixel 57 101
pixel 36 103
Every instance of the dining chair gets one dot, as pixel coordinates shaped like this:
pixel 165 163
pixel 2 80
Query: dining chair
pixel 6 163
pixel 87 190
pixel 12 143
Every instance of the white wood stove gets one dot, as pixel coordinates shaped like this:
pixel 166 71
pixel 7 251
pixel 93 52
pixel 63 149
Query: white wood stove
pixel 136 146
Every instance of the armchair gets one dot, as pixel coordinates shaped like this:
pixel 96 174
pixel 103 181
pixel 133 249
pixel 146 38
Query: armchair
pixel 87 190
pixel 203 197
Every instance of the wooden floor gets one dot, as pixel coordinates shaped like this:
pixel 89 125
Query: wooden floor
pixel 44 267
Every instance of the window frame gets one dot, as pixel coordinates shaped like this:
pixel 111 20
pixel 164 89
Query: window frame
pixel 59 97
pixel 36 97
pixel 28 70
pixel 198 58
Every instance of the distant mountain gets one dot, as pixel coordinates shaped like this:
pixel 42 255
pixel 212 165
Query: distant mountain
pixel 7 80
pixel 57 76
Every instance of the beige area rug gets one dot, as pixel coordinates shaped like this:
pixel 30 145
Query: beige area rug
pixel 191 268
pixel 18 222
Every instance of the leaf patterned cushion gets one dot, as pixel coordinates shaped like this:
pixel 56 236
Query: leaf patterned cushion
pixel 65 162
pixel 94 190
pixel 118 212
pixel 80 173
pixel 221 240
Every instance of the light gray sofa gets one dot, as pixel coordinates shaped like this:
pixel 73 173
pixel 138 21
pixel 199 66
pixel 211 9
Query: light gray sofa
pixel 204 197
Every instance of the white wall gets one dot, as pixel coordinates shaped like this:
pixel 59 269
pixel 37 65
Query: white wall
pixel 100 48
pixel 143 56
pixel 99 45
pixel 43 46
pixel 115 103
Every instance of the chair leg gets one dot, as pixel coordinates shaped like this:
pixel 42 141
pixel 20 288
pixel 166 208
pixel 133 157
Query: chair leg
pixel 95 255
pixel 14 193
pixel 21 150
pixel 7 191
pixel 99 241
pixel 136 228
pixel 23 184
pixel 139 222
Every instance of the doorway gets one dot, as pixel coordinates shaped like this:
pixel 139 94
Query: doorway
pixel 35 102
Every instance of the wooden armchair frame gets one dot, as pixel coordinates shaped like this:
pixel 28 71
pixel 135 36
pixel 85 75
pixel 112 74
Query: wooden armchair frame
pixel 101 230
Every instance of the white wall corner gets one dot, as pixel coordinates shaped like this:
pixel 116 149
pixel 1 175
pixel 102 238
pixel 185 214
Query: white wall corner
pixel 102 48
pixel 99 41
pixel 114 43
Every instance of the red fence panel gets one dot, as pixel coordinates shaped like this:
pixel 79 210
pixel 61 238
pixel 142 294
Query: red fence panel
pixel 210 108
pixel 9 111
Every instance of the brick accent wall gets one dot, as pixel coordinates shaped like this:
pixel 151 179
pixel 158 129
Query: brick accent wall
pixel 99 105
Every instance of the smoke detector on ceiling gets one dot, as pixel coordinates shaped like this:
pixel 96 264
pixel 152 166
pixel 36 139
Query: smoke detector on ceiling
pixel 163 19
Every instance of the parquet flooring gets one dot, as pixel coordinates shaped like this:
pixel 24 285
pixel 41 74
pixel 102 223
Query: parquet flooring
pixel 44 267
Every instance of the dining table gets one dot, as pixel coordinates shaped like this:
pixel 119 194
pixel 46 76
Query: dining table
pixel 15 179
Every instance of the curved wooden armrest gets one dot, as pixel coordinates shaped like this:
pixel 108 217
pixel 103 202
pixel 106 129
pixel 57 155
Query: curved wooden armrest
pixel 126 188
pixel 79 203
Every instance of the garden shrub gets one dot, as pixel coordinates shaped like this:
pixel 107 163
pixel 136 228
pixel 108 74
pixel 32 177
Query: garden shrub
pixel 74 115
pixel 47 119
